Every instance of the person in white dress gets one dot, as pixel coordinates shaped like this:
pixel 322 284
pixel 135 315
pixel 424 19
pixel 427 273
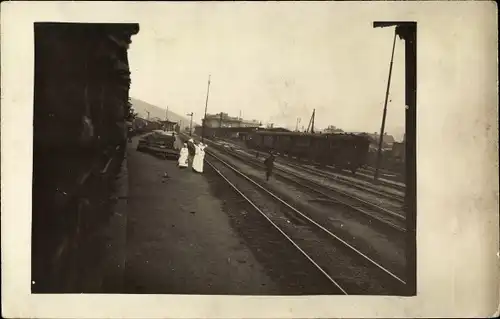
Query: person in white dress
pixel 183 156
pixel 197 160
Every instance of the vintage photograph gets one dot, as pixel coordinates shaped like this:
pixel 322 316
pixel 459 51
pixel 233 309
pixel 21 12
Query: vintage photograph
pixel 210 153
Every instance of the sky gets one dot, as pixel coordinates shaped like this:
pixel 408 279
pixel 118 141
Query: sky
pixel 271 62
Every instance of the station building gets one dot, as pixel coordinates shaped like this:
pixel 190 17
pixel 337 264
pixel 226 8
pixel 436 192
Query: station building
pixel 221 125
pixel 224 120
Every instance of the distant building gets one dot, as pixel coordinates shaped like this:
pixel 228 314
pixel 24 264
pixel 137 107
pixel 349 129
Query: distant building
pixel 387 140
pixel 169 125
pixel 332 129
pixel 142 125
pixel 224 120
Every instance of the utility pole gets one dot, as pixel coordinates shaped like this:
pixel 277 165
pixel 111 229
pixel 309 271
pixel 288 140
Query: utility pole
pixel 205 116
pixel 407 31
pixel 190 124
pixel 310 127
pixel 297 125
pixel 382 128
pixel 166 119
pixel 312 124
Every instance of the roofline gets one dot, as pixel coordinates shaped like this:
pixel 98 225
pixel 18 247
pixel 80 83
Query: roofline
pixel 262 132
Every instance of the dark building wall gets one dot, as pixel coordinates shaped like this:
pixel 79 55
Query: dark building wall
pixel 82 82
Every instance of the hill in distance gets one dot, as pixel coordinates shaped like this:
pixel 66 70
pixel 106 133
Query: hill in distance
pixel 142 108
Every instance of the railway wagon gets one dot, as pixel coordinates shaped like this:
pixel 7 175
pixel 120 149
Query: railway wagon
pixel 348 151
pixel 344 151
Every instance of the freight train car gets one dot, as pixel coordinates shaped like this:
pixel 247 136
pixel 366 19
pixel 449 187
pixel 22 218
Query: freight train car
pixel 343 151
pixel 80 108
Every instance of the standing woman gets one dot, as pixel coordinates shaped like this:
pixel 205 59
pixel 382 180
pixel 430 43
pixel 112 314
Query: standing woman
pixel 197 162
pixel 183 156
pixel 200 158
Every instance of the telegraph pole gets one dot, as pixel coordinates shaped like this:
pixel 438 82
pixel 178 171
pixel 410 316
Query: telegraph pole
pixel 205 116
pixel 407 31
pixel 382 128
pixel 312 121
pixel 191 124
pixel 310 127
pixel 166 119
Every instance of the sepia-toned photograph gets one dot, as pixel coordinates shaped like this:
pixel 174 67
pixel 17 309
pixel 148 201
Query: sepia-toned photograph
pixel 249 159
pixel 255 156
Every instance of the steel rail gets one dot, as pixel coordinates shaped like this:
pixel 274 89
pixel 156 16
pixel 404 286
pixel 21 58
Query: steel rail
pixel 278 229
pixel 352 197
pixel 346 244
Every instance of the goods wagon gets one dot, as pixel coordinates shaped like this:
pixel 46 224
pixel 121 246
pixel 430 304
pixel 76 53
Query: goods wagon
pixel 81 85
pixel 343 151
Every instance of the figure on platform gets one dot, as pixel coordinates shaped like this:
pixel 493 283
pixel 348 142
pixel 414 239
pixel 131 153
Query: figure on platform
pixel 269 162
pixel 202 155
pixel 192 151
pixel 183 156
pixel 130 132
pixel 178 144
pixel 198 159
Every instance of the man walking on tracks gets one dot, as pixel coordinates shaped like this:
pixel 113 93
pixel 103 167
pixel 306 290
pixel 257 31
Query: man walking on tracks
pixel 269 162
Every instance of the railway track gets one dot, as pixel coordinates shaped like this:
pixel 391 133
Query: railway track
pixel 384 192
pixel 362 180
pixel 348 183
pixel 379 213
pixel 366 176
pixel 349 270
pixel 390 175
pixel 388 217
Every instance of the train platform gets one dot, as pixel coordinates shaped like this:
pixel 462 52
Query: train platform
pixel 179 238
pixel 174 231
pixel 190 233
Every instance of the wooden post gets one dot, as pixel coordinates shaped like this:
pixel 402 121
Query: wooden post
pixel 384 114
